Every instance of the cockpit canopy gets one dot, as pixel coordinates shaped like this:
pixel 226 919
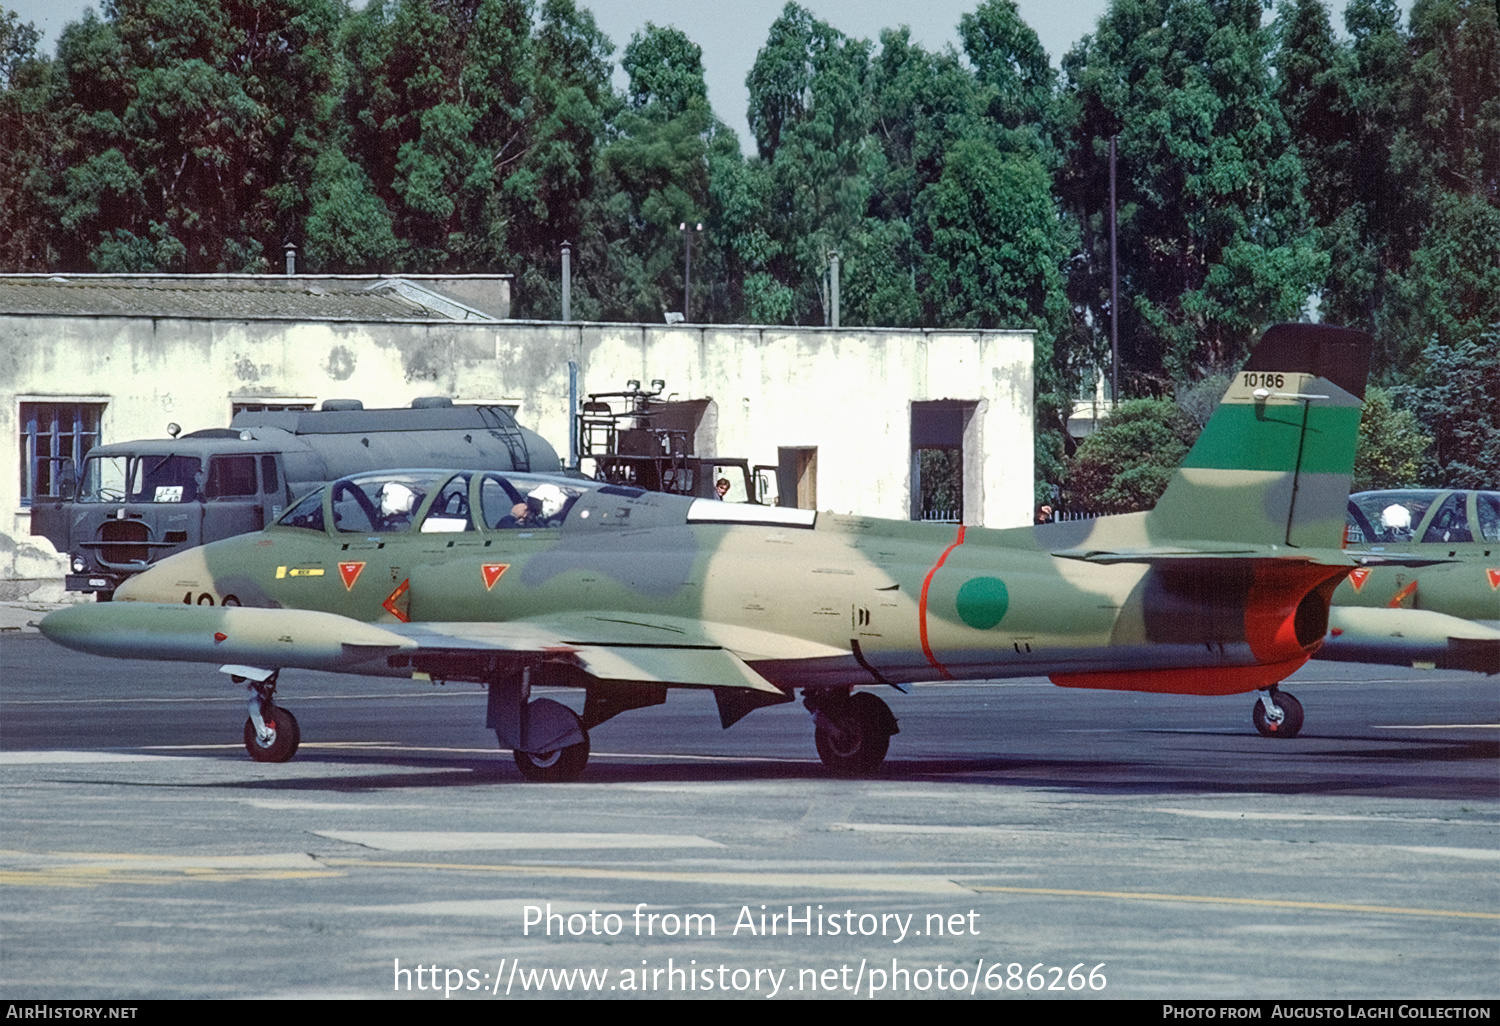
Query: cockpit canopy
pixel 1406 515
pixel 436 502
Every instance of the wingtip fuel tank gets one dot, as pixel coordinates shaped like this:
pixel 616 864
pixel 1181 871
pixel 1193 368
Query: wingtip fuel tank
pixel 301 638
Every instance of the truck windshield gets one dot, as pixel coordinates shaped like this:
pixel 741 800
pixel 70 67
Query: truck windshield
pixel 140 479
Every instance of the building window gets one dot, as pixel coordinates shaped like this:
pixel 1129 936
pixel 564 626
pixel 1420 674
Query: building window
pixel 54 439
pixel 273 406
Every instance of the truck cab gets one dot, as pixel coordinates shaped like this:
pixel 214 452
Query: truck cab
pixel 136 502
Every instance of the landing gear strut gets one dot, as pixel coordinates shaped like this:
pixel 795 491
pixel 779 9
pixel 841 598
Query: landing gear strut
pixel 547 738
pixel 1278 714
pixel 852 732
pixel 271 732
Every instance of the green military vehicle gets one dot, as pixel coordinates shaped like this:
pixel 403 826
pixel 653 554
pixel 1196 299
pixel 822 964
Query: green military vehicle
pixel 131 504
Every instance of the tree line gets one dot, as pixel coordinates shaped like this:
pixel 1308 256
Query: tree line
pixel 1268 169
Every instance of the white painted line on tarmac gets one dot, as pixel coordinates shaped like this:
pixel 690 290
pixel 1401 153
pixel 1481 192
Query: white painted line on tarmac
pixel 160 863
pixel 425 840
pixel 513 909
pixel 924 828
pixel 1435 726
pixel 1316 817
pixel 1483 854
pixel 757 882
pixel 34 758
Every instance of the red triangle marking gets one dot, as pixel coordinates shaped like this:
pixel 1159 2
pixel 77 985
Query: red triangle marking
pixel 350 573
pixel 1358 578
pixel 1494 578
pixel 491 573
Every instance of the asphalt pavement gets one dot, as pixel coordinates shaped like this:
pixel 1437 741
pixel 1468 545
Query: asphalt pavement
pixel 1021 841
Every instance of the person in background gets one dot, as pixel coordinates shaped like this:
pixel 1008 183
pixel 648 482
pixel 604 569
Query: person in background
pixel 721 487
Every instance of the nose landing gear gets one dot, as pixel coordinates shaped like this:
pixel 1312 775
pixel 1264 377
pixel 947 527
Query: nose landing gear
pixel 1278 714
pixel 271 732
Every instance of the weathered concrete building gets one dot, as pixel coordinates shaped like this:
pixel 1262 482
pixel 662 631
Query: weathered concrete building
pixel 86 359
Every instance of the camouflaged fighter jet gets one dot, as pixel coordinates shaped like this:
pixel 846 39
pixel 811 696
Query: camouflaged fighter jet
pixel 1437 603
pixel 516 581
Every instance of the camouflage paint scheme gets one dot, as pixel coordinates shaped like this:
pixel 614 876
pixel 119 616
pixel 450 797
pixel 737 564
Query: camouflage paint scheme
pixel 1428 594
pixel 1223 588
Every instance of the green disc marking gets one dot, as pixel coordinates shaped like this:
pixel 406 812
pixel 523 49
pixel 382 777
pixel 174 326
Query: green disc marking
pixel 982 602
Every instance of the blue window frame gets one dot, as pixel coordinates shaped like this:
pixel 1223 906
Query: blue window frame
pixel 53 436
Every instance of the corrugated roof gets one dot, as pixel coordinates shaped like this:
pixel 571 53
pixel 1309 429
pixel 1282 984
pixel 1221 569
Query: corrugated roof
pixel 242 297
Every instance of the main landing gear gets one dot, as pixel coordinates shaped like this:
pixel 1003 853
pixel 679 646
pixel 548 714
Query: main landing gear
pixel 271 732
pixel 1278 714
pixel 852 732
pixel 550 743
pixel 561 765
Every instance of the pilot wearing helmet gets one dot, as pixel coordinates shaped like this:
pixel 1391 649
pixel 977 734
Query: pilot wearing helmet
pixel 1395 519
pixel 397 502
pixel 550 502
pixel 544 506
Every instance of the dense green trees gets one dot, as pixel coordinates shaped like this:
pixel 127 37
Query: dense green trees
pixel 1213 224
pixel 188 132
pixel 1266 169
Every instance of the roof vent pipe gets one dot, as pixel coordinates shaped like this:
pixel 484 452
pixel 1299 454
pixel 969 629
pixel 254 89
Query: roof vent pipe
pixel 291 260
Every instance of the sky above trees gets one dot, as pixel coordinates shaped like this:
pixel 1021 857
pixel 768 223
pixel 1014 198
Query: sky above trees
pixel 1267 166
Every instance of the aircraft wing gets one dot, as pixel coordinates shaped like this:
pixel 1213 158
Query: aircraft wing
pixel 1410 637
pixel 1180 553
pixel 663 650
pixel 609 646
pixel 1164 554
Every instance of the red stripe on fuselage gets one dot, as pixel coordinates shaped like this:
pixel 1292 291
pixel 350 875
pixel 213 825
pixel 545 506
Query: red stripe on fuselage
pixel 1188 680
pixel 922 605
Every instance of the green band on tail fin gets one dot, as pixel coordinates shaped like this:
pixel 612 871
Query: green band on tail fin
pixel 1272 466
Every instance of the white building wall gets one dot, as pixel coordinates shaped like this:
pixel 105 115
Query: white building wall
pixel 846 391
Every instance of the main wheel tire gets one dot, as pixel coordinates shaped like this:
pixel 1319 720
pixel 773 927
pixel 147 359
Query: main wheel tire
pixel 286 735
pixel 856 738
pixel 1291 721
pixel 560 766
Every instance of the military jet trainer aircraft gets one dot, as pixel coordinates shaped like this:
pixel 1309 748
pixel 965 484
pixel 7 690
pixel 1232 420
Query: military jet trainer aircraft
pixel 1436 600
pixel 518 581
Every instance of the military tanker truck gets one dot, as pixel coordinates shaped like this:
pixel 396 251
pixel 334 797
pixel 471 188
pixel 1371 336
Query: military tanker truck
pixel 133 503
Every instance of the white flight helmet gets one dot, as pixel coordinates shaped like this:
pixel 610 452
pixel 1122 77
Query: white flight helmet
pixel 1396 517
pixel 552 498
pixel 396 498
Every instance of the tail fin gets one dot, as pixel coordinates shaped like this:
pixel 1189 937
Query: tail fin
pixel 1272 466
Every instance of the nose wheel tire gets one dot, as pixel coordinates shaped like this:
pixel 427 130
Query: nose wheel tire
pixel 853 735
pixel 284 739
pixel 1287 725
